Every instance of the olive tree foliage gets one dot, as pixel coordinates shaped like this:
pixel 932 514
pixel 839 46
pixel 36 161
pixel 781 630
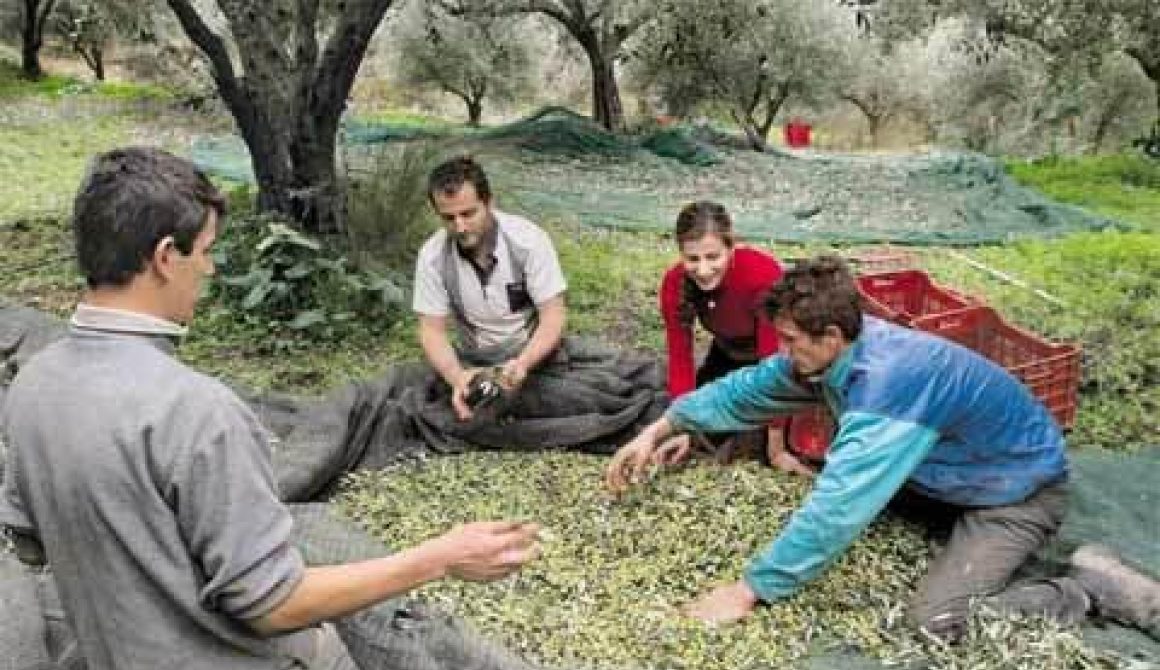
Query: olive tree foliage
pixel 883 81
pixel 1009 96
pixel 602 29
pixel 748 56
pixel 284 69
pixel 90 27
pixel 1116 110
pixel 474 60
pixel 1004 102
pixel 1065 30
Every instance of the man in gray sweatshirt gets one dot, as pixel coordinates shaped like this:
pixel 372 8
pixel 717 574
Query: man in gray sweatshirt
pixel 149 485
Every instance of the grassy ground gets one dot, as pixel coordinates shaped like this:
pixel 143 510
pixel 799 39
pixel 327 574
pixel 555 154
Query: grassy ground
pixel 1109 281
pixel 1124 187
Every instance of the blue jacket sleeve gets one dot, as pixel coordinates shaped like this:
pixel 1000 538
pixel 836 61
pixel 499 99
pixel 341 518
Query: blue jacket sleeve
pixel 870 459
pixel 743 399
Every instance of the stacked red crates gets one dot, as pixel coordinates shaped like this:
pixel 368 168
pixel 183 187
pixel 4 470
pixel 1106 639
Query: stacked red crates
pixel 1050 370
pixel 910 298
pixel 906 295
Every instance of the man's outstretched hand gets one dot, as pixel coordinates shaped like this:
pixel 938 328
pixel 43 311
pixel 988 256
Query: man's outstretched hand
pixel 487 550
pixel 724 604
pixel 630 464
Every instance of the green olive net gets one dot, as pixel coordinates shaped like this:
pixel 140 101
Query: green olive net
pixel 605 592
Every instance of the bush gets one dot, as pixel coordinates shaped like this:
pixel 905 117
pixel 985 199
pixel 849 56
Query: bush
pixel 387 212
pixel 282 282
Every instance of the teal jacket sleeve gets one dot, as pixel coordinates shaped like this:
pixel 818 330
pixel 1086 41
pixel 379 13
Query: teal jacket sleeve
pixel 870 459
pixel 743 399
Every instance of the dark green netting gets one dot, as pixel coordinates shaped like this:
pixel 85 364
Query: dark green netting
pixel 557 130
pixel 678 143
pixel 550 131
pixel 557 164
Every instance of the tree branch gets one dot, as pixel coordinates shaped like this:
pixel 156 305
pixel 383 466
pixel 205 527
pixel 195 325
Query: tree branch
pixel 1149 62
pixel 42 19
pixel 344 52
pixel 498 9
pixel 307 55
pixel 212 45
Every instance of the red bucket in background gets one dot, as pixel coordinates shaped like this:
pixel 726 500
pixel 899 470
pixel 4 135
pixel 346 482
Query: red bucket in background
pixel 797 134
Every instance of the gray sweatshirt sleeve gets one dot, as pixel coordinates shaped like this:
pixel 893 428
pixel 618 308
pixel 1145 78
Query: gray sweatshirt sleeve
pixel 12 512
pixel 234 525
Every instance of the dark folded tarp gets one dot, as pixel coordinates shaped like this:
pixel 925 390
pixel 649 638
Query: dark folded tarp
pixel 593 398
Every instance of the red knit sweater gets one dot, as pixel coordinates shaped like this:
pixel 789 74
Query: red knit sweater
pixel 732 314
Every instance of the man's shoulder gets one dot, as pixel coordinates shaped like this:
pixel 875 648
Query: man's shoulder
pixel 433 247
pixel 522 231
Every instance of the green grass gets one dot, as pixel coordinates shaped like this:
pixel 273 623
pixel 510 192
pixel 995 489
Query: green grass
pixel 612 283
pixel 13 85
pixel 43 160
pixel 404 119
pixel 1124 186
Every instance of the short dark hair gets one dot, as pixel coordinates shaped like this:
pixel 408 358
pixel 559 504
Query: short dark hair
pixel 450 176
pixel 130 200
pixel 817 293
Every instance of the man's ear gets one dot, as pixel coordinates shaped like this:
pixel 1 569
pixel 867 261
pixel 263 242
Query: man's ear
pixel 834 332
pixel 164 256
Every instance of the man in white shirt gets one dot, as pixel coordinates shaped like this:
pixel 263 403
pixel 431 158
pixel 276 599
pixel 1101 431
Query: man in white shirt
pixel 496 275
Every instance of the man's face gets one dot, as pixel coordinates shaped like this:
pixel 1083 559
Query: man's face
pixel 188 272
pixel 466 216
pixel 810 354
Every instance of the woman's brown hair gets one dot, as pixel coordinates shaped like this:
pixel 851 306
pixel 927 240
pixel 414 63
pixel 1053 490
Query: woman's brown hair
pixel 696 220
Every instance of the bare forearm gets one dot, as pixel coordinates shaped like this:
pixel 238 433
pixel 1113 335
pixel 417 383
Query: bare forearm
pixel 548 333
pixel 333 591
pixel 660 430
pixel 438 350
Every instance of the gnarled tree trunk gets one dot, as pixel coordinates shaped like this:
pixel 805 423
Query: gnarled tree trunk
pixel 34 17
pixel 288 102
pixel 607 109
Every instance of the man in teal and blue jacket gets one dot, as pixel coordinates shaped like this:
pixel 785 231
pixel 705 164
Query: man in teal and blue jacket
pixel 919 418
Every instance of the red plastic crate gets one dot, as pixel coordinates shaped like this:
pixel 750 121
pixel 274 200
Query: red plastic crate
pixel 1050 370
pixel 882 259
pixel 906 295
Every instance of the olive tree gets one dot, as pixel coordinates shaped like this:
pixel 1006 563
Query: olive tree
pixel 748 56
pixel 1064 29
pixel 32 17
pixel 90 27
pixel 472 60
pixel 284 69
pixel 602 29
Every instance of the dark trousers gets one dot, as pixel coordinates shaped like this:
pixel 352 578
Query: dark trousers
pixel 985 546
pixel 716 364
pixel 728 446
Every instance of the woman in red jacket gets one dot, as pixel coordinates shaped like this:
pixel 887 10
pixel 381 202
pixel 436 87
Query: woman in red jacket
pixel 719 284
